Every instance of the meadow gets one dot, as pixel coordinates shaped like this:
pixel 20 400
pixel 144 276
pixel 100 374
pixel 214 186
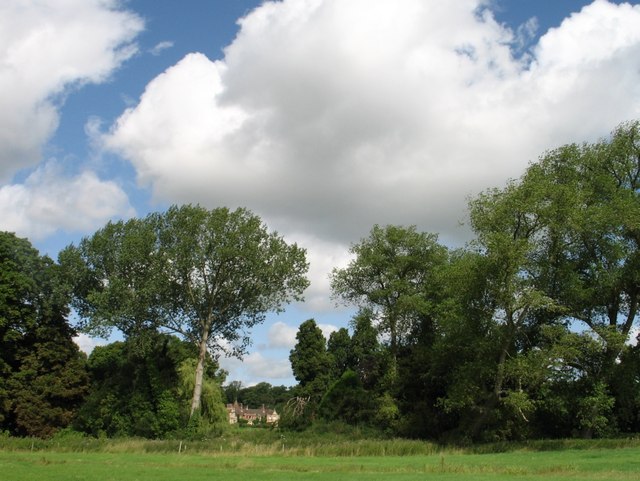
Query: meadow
pixel 274 457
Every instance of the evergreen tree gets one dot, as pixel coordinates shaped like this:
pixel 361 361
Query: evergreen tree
pixel 43 373
pixel 310 361
pixel 340 354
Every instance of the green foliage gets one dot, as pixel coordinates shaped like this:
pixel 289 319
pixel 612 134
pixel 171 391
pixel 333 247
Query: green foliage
pixel 594 410
pixel 625 387
pixel 369 359
pixel 212 408
pixel 393 269
pixel 258 395
pixel 51 382
pixel 309 359
pixel 42 373
pixel 144 393
pixel 347 400
pixel 206 275
pixel 340 353
pixel 298 414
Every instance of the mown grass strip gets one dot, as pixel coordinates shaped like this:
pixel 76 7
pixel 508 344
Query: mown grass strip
pixel 598 464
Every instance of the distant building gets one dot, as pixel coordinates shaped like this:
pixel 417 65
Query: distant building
pixel 238 411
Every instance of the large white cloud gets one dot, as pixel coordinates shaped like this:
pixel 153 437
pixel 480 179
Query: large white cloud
pixel 47 46
pixel 50 200
pixel 327 116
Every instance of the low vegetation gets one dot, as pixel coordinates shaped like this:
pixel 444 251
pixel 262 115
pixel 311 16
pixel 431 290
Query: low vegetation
pixel 319 456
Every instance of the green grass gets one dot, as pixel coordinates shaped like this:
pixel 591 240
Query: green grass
pixel 105 460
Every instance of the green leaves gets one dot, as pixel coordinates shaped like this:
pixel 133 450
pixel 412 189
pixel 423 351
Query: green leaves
pixel 207 275
pixel 392 274
pixel 309 358
pixel 196 272
pixel 225 270
pixel 42 373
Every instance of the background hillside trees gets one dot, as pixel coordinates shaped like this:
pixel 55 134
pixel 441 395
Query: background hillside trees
pixel 258 395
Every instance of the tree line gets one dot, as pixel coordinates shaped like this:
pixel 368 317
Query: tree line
pixel 526 332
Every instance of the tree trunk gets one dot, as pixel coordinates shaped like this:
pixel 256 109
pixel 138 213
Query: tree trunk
pixel 197 388
pixel 494 397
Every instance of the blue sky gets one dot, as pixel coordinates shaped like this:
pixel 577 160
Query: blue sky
pixel 322 116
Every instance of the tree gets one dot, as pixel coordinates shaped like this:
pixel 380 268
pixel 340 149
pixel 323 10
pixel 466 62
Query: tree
pixel 262 394
pixel 508 233
pixel 589 255
pixel 347 400
pixel 562 245
pixel 310 361
pixel 626 386
pixel 207 275
pixel 42 372
pixel 391 275
pixel 233 391
pixel 367 354
pixel 143 392
pixel 591 248
pixel 311 366
pixel 51 381
pixel 340 353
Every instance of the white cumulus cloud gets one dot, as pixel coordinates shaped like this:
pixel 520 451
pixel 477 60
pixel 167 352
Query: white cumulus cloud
pixel 257 367
pixel 328 116
pixel 327 329
pixel 50 200
pixel 260 367
pixel 46 47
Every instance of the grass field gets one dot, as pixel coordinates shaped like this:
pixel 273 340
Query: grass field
pixel 588 462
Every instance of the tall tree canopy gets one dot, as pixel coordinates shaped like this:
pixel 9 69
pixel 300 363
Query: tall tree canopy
pixel 43 378
pixel 207 275
pixel 390 274
pixel 590 206
pixel 560 248
pixel 310 361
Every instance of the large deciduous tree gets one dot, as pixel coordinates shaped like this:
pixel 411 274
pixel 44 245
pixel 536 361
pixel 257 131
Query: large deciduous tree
pixel 207 275
pixel 561 246
pixel 508 232
pixel 591 248
pixel 391 274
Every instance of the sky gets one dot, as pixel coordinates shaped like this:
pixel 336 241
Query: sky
pixel 324 117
